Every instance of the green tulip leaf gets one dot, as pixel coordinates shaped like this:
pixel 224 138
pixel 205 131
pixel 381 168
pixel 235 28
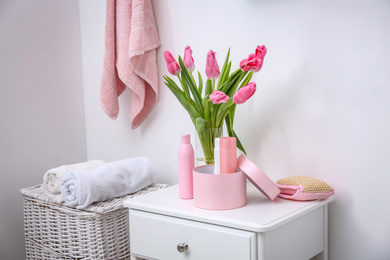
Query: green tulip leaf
pixel 232 133
pixel 234 83
pixel 184 85
pixel 239 145
pixel 201 123
pixel 225 70
pixel 187 103
pixel 200 80
pixel 225 75
pixel 231 81
pixel 191 85
pixel 246 80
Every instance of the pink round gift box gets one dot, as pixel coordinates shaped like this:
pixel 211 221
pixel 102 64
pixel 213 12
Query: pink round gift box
pixel 218 191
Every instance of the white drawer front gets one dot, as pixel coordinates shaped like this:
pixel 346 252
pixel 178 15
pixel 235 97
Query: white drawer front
pixel 157 236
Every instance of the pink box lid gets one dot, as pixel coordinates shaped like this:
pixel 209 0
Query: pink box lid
pixel 258 178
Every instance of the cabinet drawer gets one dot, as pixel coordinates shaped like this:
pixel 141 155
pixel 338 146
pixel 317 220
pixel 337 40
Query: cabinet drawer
pixel 157 236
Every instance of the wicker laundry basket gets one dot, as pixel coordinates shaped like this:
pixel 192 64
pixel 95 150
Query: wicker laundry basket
pixel 54 231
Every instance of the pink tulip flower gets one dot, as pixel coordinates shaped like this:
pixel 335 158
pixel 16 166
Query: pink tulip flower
pixel 172 65
pixel 188 59
pixel 254 62
pixel 212 69
pixel 260 52
pixel 244 93
pixel 218 97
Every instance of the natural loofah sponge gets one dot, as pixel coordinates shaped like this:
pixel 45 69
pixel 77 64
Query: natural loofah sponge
pixel 304 188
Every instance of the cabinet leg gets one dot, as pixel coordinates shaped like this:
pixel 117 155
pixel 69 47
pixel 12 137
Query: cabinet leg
pixel 260 246
pixel 324 254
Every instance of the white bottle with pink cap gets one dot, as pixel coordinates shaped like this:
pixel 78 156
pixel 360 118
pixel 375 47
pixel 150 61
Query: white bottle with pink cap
pixel 186 165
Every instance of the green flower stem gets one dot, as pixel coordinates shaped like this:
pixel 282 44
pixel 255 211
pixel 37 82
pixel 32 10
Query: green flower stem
pixel 209 88
pixel 214 112
pixel 206 138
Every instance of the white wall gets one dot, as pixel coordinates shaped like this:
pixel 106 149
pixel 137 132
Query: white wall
pixel 41 103
pixel 322 106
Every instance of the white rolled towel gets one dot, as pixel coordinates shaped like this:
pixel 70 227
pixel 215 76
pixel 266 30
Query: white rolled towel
pixel 52 178
pixel 80 188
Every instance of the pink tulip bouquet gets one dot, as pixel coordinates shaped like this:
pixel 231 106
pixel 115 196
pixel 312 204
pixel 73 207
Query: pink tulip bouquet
pixel 210 106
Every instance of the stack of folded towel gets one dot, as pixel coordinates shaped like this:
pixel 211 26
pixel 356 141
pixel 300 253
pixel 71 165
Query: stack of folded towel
pixel 79 185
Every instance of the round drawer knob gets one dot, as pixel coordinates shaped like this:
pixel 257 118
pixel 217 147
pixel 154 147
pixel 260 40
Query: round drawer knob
pixel 181 247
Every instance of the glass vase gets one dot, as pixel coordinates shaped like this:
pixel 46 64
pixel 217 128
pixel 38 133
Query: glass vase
pixel 204 145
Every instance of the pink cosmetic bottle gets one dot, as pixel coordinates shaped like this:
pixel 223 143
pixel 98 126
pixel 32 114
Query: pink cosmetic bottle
pixel 186 166
pixel 228 154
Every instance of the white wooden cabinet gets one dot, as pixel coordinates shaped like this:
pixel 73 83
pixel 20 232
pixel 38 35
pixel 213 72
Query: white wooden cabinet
pixel 162 225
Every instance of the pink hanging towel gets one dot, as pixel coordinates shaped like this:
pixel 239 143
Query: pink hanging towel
pixel 130 58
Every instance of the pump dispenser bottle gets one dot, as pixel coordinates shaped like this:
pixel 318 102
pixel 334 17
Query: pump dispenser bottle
pixel 186 166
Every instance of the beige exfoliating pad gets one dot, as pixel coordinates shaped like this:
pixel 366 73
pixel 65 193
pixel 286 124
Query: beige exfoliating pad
pixel 303 188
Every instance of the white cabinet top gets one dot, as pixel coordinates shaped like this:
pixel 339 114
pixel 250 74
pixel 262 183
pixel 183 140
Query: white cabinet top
pixel 259 215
